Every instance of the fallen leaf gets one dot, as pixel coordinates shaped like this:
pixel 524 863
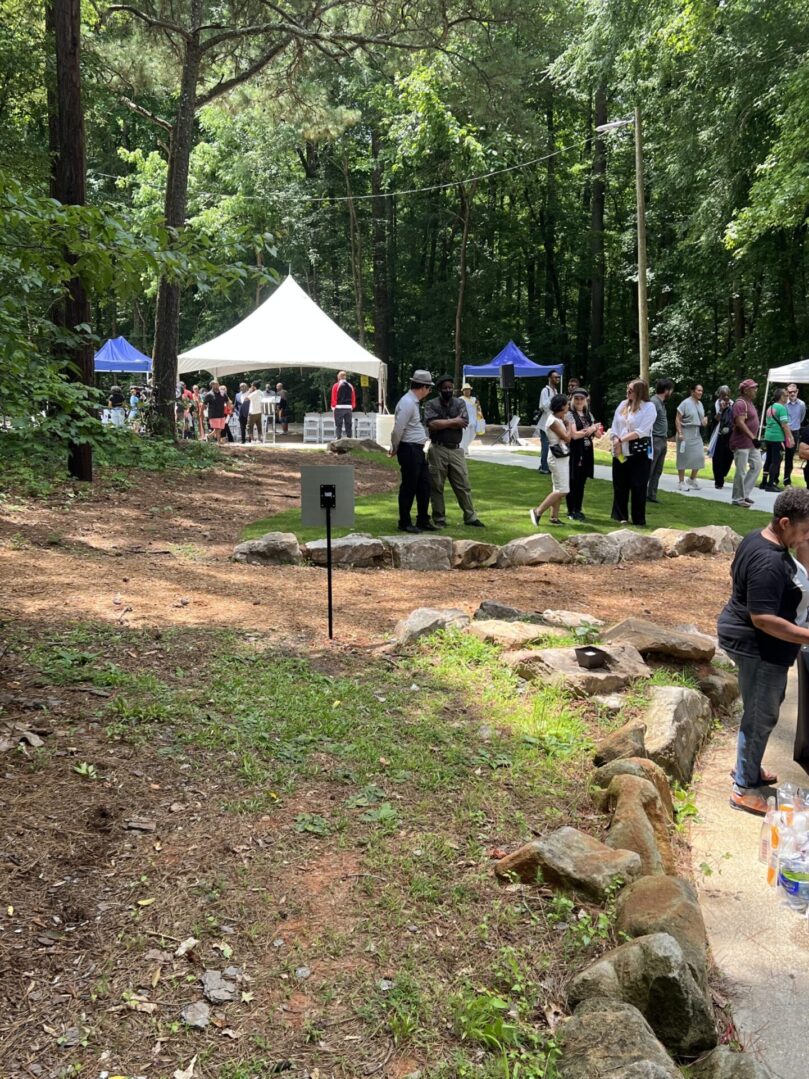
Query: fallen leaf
pixel 186 946
pixel 225 949
pixel 154 977
pixel 140 824
pixel 228 1032
pixel 10 911
pixel 141 1004
pixel 248 997
pixel 145 902
pixel 186 1073
pixel 553 1014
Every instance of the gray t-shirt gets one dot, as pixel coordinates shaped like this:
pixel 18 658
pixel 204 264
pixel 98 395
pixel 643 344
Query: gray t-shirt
pixel 661 424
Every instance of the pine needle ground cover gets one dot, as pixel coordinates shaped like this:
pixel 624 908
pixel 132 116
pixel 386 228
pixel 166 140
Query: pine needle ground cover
pixel 322 826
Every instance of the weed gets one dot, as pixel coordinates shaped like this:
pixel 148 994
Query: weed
pixel 685 806
pixel 312 823
pixel 85 770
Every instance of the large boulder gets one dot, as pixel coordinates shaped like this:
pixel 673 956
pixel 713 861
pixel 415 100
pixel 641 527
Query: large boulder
pixel 594 548
pixel 632 766
pixel 426 620
pixel 660 904
pixel 358 550
pixel 271 549
pixel 723 1063
pixel 346 445
pixel 472 554
pixel 424 552
pixel 532 551
pixel 721 687
pixel 572 860
pixel 637 546
pixel 678 542
pixel 652 974
pixel 505 634
pixel 723 539
pixel 611 1038
pixel 560 667
pixel 639 823
pixel 490 608
pixel 677 720
pixel 626 741
pixel 571 620
pixel 653 640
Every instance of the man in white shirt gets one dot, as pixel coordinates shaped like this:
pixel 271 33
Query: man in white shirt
pixel 407 442
pixel 551 390
pixel 796 410
pixel 254 396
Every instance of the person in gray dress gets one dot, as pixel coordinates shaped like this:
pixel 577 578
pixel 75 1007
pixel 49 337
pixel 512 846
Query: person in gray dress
pixel 690 419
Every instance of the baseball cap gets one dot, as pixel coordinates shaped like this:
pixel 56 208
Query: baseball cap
pixel 423 377
pixel 748 384
pixel 580 392
pixel 445 378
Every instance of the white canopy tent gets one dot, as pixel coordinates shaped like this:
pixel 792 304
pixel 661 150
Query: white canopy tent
pixel 287 330
pixel 790 372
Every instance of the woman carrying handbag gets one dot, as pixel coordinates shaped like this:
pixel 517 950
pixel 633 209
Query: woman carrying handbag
pixel 632 453
pixel 559 432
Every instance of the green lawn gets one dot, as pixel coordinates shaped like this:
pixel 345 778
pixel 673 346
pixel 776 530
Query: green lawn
pixel 503 496
pixel 602 457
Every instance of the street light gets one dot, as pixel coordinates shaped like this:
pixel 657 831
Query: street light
pixel 643 302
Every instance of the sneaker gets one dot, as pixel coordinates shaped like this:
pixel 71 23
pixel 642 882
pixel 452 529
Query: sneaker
pixel 411 529
pixel 749 802
pixel 683 487
pixel 475 524
pixel 694 485
pixel 554 521
pixel 749 501
pixel 787 483
pixel 426 526
pixel 535 518
pixel 741 504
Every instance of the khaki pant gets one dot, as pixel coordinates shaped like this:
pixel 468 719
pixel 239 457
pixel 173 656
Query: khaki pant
pixel 447 463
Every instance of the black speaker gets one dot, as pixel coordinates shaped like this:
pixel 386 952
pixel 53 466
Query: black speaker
pixel 507 376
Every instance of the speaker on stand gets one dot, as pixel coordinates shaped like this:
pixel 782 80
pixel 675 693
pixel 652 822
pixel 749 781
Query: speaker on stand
pixel 507 384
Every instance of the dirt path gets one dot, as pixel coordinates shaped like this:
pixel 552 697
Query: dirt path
pixel 157 553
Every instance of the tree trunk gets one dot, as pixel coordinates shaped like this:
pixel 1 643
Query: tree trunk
pixel 66 129
pixel 596 365
pixel 356 257
pixel 167 318
pixel 466 210
pixel 379 241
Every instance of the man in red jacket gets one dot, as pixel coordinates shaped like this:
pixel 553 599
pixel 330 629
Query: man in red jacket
pixel 343 403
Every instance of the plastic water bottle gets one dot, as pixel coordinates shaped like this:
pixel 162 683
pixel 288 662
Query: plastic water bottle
pixel 765 837
pixel 786 801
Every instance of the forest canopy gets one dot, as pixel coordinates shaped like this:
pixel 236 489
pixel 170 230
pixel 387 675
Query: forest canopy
pixel 431 174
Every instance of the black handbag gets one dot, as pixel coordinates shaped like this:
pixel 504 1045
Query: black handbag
pixel 558 449
pixel 639 446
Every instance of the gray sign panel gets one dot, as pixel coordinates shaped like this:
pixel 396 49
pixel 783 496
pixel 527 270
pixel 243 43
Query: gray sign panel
pixel 312 513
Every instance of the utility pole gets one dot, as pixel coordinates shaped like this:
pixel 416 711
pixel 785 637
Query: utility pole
pixel 643 302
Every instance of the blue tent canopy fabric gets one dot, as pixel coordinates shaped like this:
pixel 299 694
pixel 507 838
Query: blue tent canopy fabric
pixel 523 367
pixel 118 355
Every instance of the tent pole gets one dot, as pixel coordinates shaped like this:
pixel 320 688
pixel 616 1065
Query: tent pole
pixel 764 409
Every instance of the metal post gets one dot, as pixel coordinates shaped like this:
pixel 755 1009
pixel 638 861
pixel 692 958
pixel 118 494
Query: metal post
pixel 643 303
pixel 328 568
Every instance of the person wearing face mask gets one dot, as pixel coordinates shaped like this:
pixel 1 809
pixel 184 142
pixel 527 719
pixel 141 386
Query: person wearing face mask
pixel 446 418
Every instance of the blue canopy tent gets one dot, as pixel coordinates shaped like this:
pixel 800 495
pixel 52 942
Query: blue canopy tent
pixel 523 367
pixel 118 355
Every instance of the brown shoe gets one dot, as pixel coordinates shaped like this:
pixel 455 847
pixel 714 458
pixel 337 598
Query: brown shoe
pixel 749 803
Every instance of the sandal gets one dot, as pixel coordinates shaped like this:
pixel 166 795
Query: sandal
pixel 766 779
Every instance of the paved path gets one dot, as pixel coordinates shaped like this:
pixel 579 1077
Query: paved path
pixel 761 947
pixel 506 455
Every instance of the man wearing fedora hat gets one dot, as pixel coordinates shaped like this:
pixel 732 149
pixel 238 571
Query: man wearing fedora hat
pixel 407 442
pixel 447 418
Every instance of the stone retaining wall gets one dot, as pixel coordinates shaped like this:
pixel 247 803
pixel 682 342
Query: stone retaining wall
pixel 430 550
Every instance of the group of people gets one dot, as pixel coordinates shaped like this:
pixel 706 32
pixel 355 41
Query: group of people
pixel 424 475
pixel 118 414
pixel 202 411
pixel 639 436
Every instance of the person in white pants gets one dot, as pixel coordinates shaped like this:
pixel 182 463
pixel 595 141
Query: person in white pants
pixel 745 444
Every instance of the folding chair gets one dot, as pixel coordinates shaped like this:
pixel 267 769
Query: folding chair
pixel 364 425
pixel 311 427
pixel 511 434
pixel 327 428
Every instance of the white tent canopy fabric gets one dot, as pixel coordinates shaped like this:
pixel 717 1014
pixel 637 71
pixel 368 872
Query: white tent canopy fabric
pixel 287 330
pixel 790 372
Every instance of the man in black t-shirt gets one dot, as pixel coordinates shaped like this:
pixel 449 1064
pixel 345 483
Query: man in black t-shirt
pixel 762 627
pixel 446 417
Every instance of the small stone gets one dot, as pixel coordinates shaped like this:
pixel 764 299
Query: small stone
pixel 490 608
pixel 723 1063
pixel 385 984
pixel 506 634
pixel 196 1015
pixel 571 620
pixel 71 1038
pixel 216 989
pixel 472 554
pixel 303 973
pixel 611 1038
pixel 609 702
pixel 639 823
pixel 271 549
pixel 632 766
pixel 532 551
pixel 677 722
pixel 627 741
pixel 720 687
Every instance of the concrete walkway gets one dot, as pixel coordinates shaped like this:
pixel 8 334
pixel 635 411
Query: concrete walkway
pixel 760 946
pixel 515 455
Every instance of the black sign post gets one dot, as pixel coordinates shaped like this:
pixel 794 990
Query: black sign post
pixel 328 500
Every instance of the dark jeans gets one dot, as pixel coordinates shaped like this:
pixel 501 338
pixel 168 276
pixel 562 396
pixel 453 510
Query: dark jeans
pixel 342 420
pixel 630 480
pixel 243 427
pixel 543 457
pixel 789 456
pixel 578 478
pixel 772 463
pixel 659 447
pixel 763 686
pixel 415 483
pixel 722 460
